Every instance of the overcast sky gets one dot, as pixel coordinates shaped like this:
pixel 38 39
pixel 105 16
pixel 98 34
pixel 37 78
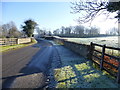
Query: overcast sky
pixel 49 15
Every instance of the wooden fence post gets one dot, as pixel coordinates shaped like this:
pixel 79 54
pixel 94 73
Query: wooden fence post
pixel 102 58
pixel 118 74
pixel 91 50
pixel 17 41
pixel 4 41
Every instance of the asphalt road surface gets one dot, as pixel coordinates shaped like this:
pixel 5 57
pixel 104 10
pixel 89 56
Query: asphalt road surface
pixel 27 67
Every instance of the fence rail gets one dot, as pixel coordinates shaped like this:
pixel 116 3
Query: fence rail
pixel 102 61
pixel 13 41
pixel 8 41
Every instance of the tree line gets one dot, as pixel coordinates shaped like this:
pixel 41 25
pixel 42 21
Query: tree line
pixel 77 31
pixel 43 32
pixel 10 30
pixel 81 31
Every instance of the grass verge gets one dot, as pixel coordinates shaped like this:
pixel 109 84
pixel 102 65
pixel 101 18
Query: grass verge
pixel 78 72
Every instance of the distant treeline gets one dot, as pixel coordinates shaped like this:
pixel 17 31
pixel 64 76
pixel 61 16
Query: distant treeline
pixel 83 32
pixel 76 31
pixel 86 36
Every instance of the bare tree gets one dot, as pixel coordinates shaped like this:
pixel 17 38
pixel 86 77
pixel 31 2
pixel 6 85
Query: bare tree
pixel 13 32
pixel 62 30
pixel 94 31
pixel 56 32
pixel 10 30
pixel 67 30
pixel 90 9
pixel 86 31
pixel 112 31
pixel 40 32
pixel 5 29
pixel 79 30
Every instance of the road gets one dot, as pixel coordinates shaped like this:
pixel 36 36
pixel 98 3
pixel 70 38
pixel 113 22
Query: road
pixel 27 67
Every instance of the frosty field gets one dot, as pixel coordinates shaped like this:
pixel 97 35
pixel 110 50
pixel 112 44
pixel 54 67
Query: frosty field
pixel 109 41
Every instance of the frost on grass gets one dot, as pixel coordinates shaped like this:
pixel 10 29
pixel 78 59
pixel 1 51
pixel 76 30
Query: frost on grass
pixel 99 40
pixel 82 66
pixel 64 73
pixel 65 76
pixel 77 72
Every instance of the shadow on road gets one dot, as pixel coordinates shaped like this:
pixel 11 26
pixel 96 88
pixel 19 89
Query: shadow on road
pixel 34 74
pixel 62 67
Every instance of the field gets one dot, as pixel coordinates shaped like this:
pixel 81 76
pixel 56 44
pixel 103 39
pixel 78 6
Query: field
pixel 109 41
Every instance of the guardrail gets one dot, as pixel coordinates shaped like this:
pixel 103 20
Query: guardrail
pixel 107 62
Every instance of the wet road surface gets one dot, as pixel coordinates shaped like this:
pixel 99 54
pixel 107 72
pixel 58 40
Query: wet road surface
pixel 27 67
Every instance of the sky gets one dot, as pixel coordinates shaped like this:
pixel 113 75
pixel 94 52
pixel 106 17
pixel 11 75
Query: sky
pixel 48 15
